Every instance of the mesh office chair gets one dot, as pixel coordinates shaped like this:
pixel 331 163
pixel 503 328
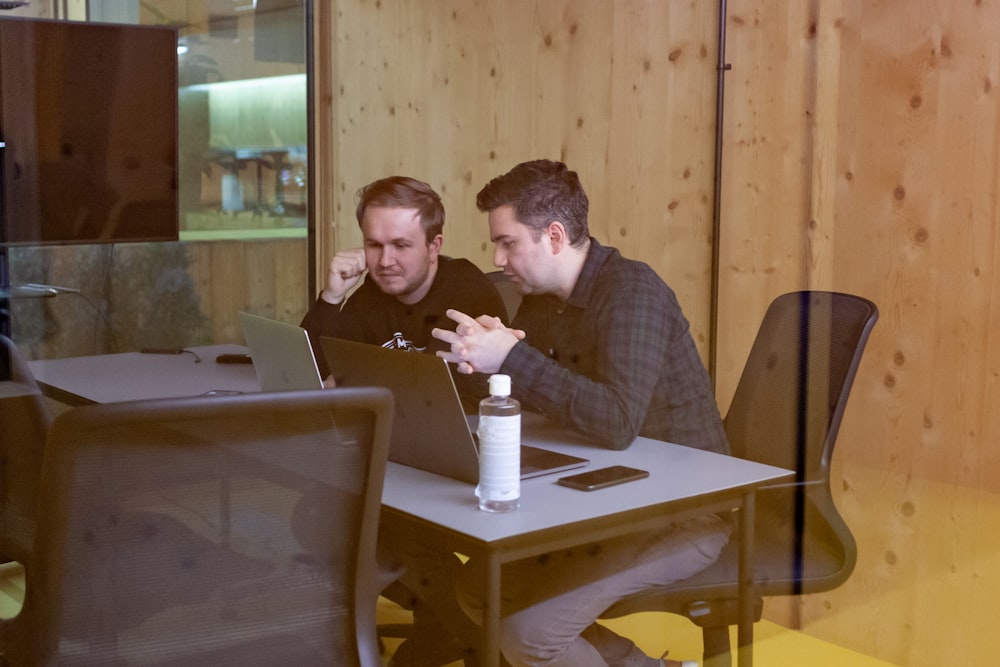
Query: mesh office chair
pixel 786 412
pixel 207 531
pixel 24 424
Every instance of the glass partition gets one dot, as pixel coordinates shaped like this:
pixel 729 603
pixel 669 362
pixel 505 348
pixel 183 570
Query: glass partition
pixel 243 194
pixel 244 156
pixel 243 119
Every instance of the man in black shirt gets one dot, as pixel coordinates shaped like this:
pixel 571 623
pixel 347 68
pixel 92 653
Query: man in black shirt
pixel 409 284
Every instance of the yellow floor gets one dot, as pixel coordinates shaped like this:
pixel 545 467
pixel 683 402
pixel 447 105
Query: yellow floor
pixel 774 646
pixel 654 633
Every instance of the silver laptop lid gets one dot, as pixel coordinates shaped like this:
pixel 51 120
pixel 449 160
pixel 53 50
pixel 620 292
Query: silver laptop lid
pixel 282 356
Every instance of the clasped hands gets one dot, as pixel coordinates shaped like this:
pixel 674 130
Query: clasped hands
pixel 478 345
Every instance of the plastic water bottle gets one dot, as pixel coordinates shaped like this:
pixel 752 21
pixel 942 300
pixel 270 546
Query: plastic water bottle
pixel 499 432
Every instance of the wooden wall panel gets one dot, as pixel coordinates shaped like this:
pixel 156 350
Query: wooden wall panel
pixel 880 132
pixel 455 93
pixel 291 281
pixel 766 173
pixel 260 286
pixel 659 174
pixel 226 290
pixel 266 277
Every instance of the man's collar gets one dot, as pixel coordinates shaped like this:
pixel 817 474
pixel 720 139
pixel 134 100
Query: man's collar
pixel 586 282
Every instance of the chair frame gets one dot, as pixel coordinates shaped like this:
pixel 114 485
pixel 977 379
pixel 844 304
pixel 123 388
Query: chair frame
pixel 709 598
pixel 26 419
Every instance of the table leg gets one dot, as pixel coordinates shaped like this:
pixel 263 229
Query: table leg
pixel 491 615
pixel 745 586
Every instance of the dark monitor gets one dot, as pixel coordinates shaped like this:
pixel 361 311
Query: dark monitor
pixel 88 123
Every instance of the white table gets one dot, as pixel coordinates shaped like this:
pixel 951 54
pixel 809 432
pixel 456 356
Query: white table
pixel 110 378
pixel 683 482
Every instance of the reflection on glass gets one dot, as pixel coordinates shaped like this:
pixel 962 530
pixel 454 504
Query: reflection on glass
pixel 243 120
pixel 242 194
pixel 250 173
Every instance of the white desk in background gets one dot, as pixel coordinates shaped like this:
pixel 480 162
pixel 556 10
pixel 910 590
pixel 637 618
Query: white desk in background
pixel 682 482
pixel 133 376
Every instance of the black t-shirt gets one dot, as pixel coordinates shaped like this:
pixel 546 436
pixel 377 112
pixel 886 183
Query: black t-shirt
pixel 372 316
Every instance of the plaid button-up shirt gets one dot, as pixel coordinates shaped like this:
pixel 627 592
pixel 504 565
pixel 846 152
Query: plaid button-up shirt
pixel 616 360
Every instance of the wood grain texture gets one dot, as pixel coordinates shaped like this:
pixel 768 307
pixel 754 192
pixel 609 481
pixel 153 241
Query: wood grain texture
pixel 888 156
pixel 455 93
pixel 265 277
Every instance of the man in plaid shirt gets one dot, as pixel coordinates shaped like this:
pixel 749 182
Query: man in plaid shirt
pixel 601 345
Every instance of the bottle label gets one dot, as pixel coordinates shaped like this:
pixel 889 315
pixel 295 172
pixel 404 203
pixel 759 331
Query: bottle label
pixel 499 458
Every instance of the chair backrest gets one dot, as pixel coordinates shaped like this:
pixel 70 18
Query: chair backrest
pixel 787 412
pixel 791 396
pixel 202 531
pixel 508 292
pixel 24 424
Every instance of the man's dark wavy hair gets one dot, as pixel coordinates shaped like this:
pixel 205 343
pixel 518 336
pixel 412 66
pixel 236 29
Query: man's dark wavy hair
pixel 540 191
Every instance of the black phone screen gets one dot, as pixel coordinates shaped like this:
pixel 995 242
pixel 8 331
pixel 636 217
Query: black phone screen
pixel 602 478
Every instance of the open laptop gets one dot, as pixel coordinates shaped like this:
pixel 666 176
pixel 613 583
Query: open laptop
pixel 281 354
pixel 430 429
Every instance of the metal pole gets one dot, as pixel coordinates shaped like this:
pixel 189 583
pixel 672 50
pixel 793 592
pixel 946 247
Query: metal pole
pixel 721 70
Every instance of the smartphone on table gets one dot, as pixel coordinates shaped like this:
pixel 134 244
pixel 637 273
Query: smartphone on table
pixel 602 478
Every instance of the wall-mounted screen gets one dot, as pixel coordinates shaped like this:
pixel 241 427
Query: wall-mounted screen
pixel 88 123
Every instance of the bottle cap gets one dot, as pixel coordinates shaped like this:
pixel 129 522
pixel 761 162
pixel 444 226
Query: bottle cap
pixel 499 385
